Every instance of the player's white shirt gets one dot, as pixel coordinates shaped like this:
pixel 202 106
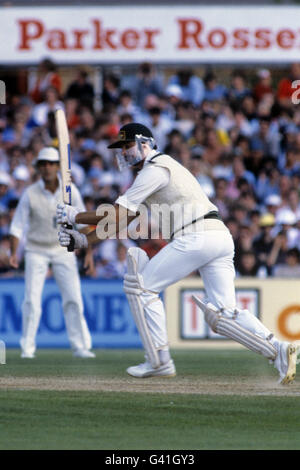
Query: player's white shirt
pixel 35 215
pixel 172 194
pixel 150 180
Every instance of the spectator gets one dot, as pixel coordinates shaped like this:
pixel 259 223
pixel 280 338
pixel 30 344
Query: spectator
pixel 114 269
pixel 47 77
pixel 196 167
pixel 81 89
pixel 267 187
pixel 6 191
pixel 220 199
pixel 214 91
pixel 239 173
pixel 174 142
pixel 110 92
pixel 160 126
pixel 285 187
pixel 239 213
pixel 147 82
pixel 244 243
pixel 234 227
pixel 17 133
pixel 127 105
pixel 263 243
pixel 278 251
pixel 87 121
pixel 51 103
pixel 21 176
pixel 191 86
pixel 272 204
pixel 291 164
pixel 254 220
pixel 184 120
pixel 285 90
pixel 264 85
pixel 223 169
pixel 213 148
pixel 291 266
pixel 173 97
pixel 107 254
pixel 292 206
pixel 238 88
pixel 267 139
pixel 249 266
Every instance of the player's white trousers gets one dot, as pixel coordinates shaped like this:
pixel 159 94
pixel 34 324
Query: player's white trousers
pixel 211 252
pixel 65 272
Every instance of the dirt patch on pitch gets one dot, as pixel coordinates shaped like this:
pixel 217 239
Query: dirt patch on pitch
pixel 180 385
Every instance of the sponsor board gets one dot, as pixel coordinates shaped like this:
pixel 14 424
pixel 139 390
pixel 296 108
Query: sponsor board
pixel 181 34
pixel 105 308
pixel 192 322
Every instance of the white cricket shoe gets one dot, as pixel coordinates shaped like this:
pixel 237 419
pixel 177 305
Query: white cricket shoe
pixel 26 355
pixel 84 353
pixel 146 370
pixel 286 362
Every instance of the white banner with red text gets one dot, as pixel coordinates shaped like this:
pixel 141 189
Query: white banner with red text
pixel 160 34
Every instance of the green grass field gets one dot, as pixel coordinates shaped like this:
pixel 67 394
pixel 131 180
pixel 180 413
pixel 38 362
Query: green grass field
pixel 219 400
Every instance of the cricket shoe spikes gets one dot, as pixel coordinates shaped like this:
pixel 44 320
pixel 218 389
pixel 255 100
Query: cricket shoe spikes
pixel 146 370
pixel 286 362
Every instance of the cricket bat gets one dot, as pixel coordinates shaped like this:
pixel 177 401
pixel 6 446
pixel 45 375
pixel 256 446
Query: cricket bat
pixel 64 161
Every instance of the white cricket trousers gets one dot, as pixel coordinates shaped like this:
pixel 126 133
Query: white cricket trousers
pixel 65 272
pixel 211 253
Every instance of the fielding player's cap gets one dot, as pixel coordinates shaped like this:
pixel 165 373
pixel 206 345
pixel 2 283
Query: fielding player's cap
pixel 49 154
pixel 128 132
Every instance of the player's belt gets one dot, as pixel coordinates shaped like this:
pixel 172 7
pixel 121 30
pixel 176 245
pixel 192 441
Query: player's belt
pixel 209 215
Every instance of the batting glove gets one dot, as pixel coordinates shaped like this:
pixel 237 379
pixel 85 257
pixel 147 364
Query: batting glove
pixel 64 237
pixel 66 214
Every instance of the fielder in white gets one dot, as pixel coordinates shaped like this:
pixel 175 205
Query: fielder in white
pixel 198 241
pixel 36 211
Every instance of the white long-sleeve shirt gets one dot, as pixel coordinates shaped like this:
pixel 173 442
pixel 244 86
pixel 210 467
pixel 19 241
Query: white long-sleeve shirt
pixel 151 179
pixel 35 215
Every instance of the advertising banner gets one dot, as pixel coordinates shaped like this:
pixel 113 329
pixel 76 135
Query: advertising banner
pixel 192 323
pixel 161 34
pixel 276 302
pixel 105 307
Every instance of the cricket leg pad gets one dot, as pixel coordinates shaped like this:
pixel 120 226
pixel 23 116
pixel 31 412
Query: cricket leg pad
pixel 136 295
pixel 241 326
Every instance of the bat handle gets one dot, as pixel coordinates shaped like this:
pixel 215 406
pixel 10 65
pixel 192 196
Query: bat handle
pixel 72 241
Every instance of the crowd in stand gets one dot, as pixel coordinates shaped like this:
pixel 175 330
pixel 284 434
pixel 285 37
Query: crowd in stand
pixel 240 139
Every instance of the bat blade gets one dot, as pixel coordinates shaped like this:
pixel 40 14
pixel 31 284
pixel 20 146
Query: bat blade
pixel 64 161
pixel 64 155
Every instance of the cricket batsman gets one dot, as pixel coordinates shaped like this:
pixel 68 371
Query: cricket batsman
pixel 198 240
